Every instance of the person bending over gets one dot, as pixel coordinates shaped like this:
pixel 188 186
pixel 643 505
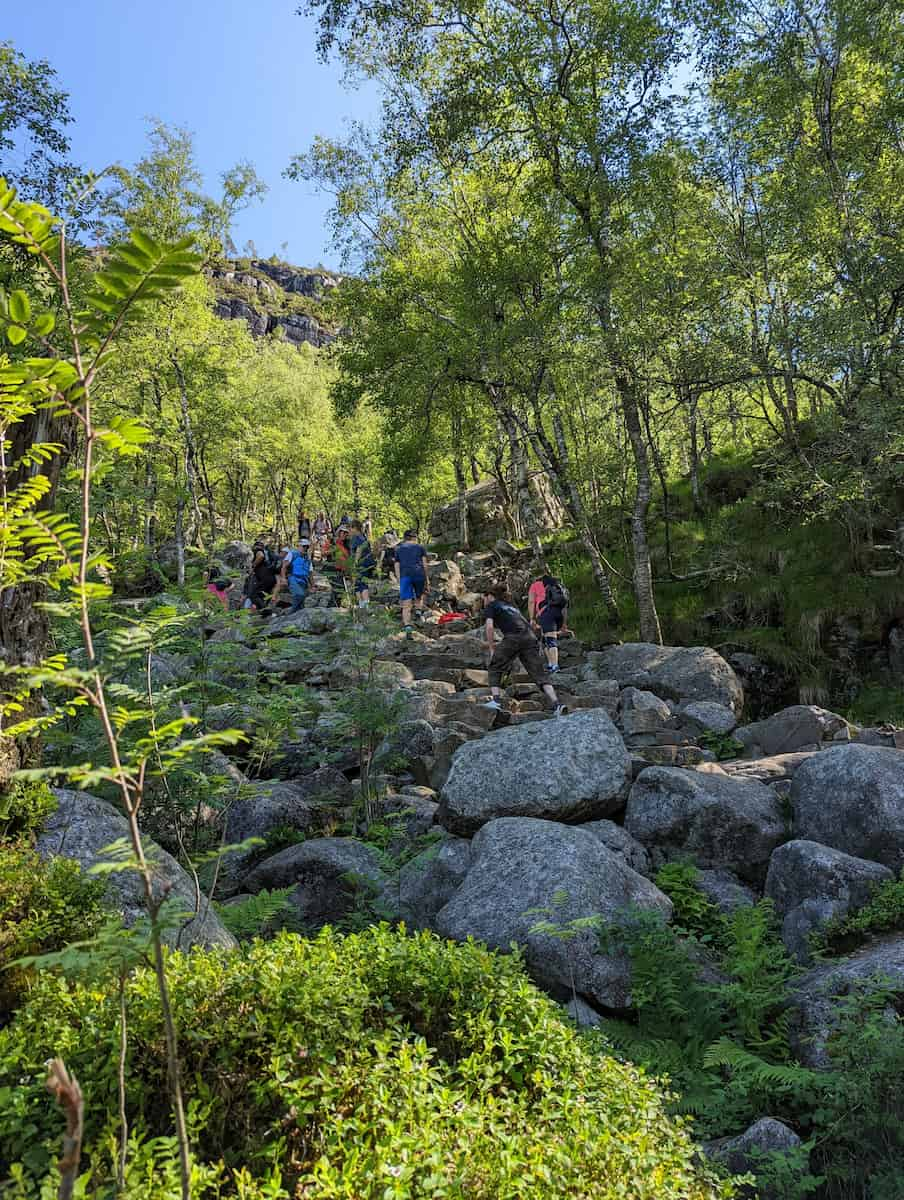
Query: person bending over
pixel 517 643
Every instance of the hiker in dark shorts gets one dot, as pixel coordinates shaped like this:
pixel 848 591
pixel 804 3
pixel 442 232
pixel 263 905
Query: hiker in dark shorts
pixel 410 557
pixel 518 642
pixel 363 562
pixel 547 611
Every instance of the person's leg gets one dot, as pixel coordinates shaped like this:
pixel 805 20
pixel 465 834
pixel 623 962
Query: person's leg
pixel 550 623
pixel 503 657
pixel 406 595
pixel 529 654
pixel 298 590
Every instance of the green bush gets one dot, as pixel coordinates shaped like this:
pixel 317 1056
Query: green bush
pixel 882 913
pixel 375 1065
pixel 24 809
pixel 43 907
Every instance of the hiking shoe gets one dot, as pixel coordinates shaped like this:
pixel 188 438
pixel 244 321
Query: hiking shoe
pixel 494 705
pixel 408 631
pixel 561 710
pixel 551 669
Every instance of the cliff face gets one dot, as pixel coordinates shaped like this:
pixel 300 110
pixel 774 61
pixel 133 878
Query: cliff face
pixel 271 295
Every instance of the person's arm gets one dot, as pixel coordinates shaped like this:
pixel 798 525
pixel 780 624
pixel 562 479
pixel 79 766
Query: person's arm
pixel 532 606
pixel 490 630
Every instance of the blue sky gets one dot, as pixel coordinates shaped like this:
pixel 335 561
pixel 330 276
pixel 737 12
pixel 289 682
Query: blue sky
pixel 243 75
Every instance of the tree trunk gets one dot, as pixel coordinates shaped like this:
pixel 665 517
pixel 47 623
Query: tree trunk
pixel 460 484
pixel 648 617
pixel 191 473
pixel 179 537
pixel 692 403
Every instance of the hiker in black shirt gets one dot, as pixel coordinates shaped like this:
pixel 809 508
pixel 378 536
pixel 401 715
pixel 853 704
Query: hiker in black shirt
pixel 517 642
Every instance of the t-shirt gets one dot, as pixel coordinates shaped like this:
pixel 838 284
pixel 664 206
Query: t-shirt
pixel 537 593
pixel 410 557
pixel 366 560
pixel 505 617
pixel 304 527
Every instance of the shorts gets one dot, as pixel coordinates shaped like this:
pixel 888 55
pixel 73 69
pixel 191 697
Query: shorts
pixel 551 620
pixel 411 587
pixel 364 580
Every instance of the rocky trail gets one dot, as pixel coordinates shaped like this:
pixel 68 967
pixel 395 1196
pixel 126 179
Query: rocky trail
pixel 496 816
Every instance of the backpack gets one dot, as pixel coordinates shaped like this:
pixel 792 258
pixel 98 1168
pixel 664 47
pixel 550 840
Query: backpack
pixel 301 567
pixel 272 559
pixel 556 593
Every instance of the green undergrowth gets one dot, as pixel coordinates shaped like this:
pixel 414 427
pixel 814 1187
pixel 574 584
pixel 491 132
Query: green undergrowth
pixel 882 913
pixel 713 1012
pixel 754 571
pixel 375 1065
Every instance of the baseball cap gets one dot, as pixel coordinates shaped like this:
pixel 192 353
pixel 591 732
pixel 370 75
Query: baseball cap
pixel 305 542
pixel 410 533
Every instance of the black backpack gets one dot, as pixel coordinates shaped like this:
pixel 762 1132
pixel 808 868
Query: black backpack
pixel 556 593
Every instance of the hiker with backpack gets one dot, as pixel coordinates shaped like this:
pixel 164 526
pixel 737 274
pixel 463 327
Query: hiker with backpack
pixel 262 579
pixel 304 524
pixel 364 564
pixel 547 611
pixel 296 573
pixel 518 642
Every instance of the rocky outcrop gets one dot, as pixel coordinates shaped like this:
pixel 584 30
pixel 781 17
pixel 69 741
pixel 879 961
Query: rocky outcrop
pixel 811 885
pixel 525 872
pixel 429 881
pixel 682 673
pixel 744 1152
pixel 329 876
pixel 852 798
pixel 487 519
pixel 619 841
pixel 259 295
pixel 571 769
pixel 82 828
pixel 800 727
pixel 711 819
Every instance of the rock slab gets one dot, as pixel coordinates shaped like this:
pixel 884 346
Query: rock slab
pixel 682 673
pixel 572 769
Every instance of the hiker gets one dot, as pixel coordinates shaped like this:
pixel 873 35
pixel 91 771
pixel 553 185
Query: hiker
pixel 262 580
pixel 221 589
pixel 517 642
pixel 304 525
pixel 547 611
pixel 387 558
pixel 322 528
pixel 368 528
pixel 296 572
pixel 362 561
pixel 411 576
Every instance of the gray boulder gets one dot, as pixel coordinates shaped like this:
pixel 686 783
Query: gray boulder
pixel 712 819
pixel 800 727
pixel 571 769
pixel 817 994
pixel 429 881
pixel 709 716
pixel 81 829
pixel 811 884
pixel 642 712
pixel 852 798
pixel 744 1152
pixel 680 673
pixel 620 842
pixel 309 620
pixel 237 555
pixel 525 871
pixel 331 877
pixel 270 804
pixel 726 891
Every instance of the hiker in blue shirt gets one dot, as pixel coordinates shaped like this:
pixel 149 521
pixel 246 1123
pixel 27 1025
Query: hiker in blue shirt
pixel 296 572
pixel 363 562
pixel 411 573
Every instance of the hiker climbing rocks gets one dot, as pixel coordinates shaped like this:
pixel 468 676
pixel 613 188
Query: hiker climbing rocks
pixel 547 611
pixel 517 643
pixel 364 564
pixel 296 572
pixel 411 574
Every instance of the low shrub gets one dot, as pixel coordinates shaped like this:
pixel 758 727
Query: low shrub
pixel 369 1066
pixel 882 913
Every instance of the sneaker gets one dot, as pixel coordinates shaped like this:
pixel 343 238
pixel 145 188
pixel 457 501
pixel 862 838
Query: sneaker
pixel 494 705
pixel 552 669
pixel 408 631
pixel 560 711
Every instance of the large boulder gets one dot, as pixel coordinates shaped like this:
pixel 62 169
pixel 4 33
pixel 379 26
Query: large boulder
pixel 308 620
pixel 525 871
pixel 237 555
pixel 572 769
pixel 800 727
pixel 712 819
pixel 708 716
pixel 680 673
pixel 811 884
pixel 852 798
pixel 83 826
pixel 642 712
pixel 429 881
pixel 266 805
pixel 619 841
pixel 817 995
pixel 331 878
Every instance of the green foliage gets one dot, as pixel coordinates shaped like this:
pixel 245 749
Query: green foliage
pixel 694 911
pixel 882 913
pixel 723 745
pixel 376 1065
pixel 43 906
pixel 257 914
pixel 24 809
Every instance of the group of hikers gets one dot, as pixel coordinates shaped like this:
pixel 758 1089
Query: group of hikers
pixel 348 559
